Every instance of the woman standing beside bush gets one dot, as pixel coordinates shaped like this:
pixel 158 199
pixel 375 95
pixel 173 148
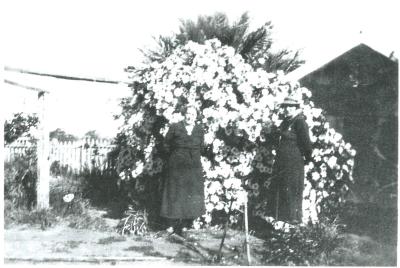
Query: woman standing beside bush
pixel 294 150
pixel 183 189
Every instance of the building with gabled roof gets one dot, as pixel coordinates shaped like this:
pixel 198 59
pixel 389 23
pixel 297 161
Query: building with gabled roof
pixel 359 92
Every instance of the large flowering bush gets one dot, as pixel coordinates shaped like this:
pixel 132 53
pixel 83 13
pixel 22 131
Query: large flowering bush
pixel 239 110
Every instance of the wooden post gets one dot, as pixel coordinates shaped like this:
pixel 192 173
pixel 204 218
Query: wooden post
pixel 43 167
pixel 246 227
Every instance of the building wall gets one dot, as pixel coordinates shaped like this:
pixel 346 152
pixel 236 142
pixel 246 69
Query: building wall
pixel 362 105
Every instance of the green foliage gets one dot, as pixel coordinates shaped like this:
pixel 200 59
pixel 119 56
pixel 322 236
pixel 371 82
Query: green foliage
pixel 19 215
pixel 20 180
pixel 77 212
pixel 99 186
pixel 62 136
pixel 56 169
pixel 20 173
pixel 92 134
pixel 311 244
pixel 89 187
pixel 63 186
pixel 256 47
pixel 18 126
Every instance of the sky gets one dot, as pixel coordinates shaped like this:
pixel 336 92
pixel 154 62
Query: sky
pixel 100 38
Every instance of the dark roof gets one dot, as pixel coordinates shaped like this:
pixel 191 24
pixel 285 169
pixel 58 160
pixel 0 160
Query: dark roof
pixel 359 56
pixel 360 81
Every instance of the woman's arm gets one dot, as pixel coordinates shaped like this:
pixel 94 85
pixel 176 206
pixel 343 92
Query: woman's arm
pixel 202 145
pixel 303 138
pixel 168 140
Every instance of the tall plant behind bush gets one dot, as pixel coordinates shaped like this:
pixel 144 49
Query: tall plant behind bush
pixel 255 46
pixel 238 108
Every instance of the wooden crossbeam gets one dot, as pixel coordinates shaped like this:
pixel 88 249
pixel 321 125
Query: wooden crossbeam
pixel 40 91
pixel 43 167
pixel 76 78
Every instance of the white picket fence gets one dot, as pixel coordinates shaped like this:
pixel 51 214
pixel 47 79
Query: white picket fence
pixel 76 155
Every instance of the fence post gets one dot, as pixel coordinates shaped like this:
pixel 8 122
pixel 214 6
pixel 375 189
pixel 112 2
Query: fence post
pixel 43 167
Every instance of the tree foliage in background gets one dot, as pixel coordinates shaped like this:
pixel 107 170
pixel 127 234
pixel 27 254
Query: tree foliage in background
pixel 18 126
pixel 62 136
pixel 255 46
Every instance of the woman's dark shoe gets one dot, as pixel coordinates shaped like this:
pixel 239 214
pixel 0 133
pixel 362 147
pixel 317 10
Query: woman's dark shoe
pixel 178 231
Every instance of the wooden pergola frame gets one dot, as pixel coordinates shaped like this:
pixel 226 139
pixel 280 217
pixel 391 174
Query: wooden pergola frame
pixel 43 171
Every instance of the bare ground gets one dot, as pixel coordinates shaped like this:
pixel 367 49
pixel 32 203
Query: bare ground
pixel 61 244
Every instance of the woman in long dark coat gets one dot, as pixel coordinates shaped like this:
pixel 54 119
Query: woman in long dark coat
pixel 183 191
pixel 293 152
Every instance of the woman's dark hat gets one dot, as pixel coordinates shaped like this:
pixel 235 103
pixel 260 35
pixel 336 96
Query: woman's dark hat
pixel 290 101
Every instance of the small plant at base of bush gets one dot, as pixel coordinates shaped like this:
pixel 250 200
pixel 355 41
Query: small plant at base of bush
pixel 310 244
pixel 135 222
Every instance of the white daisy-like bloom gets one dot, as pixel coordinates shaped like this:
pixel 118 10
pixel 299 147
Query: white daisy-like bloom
pixel 207 218
pixel 332 161
pixel 68 198
pixel 316 176
pixel 196 224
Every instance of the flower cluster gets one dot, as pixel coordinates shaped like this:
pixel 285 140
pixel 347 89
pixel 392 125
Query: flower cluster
pixel 240 113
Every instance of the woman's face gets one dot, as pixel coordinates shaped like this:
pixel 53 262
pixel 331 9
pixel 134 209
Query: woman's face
pixel 290 111
pixel 191 115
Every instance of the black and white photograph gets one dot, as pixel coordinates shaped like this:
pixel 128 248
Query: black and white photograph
pixel 199 133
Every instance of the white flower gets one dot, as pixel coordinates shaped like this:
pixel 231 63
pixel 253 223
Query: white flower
pixel 345 168
pixel 213 188
pixel 350 162
pixel 209 207
pixel 232 183
pixel 68 198
pixel 214 199
pixel 281 225
pixel 219 206
pixel 178 92
pixel 209 137
pixel 138 170
pixel 332 162
pixel 207 218
pixel 316 112
pixel 315 176
pixel 196 224
pixel 347 146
